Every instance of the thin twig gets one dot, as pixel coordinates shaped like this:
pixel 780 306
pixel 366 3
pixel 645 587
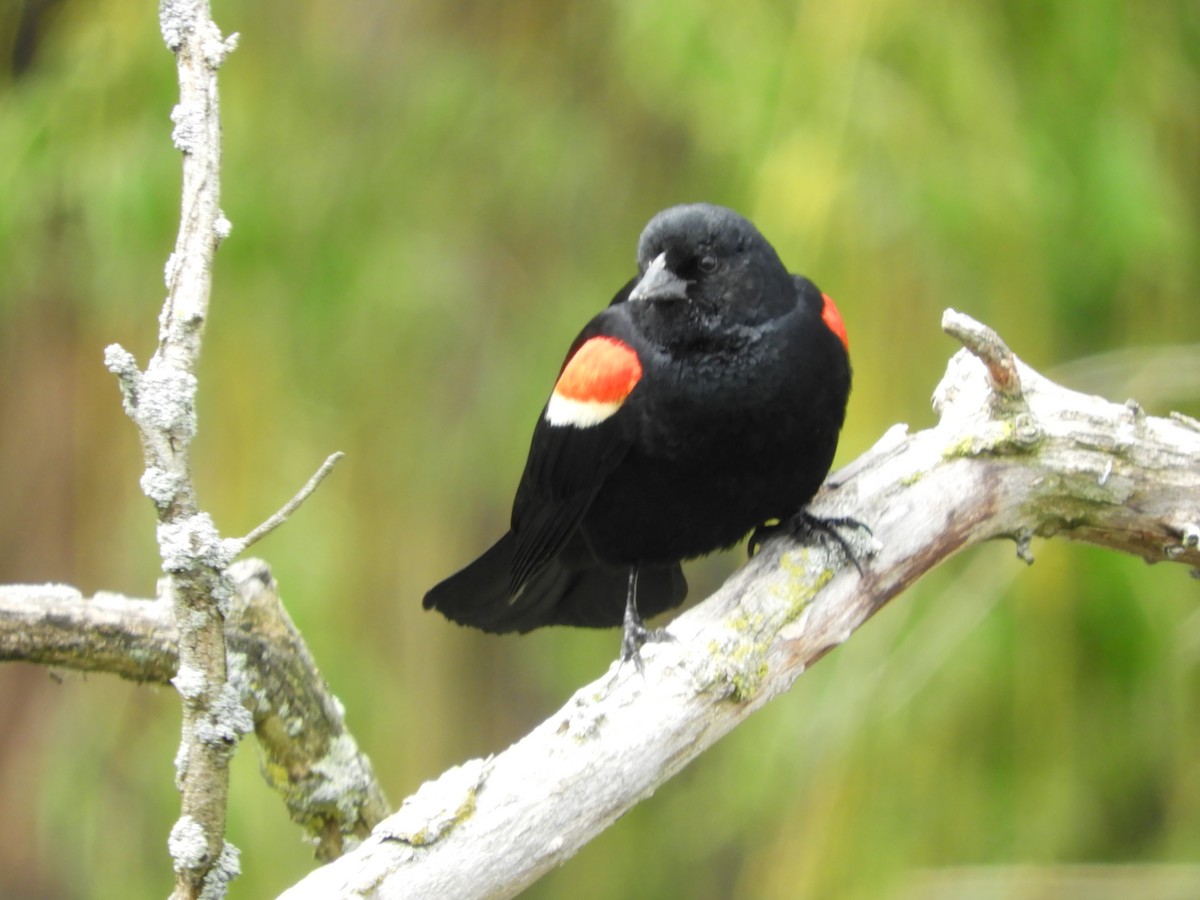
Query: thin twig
pixel 240 545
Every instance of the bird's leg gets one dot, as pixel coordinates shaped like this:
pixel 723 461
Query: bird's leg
pixel 635 632
pixel 803 525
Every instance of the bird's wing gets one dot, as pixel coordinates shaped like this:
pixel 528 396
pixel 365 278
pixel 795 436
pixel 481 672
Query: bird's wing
pixel 565 469
pixel 581 437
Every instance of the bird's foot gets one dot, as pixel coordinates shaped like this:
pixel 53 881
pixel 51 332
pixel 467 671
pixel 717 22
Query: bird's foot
pixel 635 636
pixel 804 526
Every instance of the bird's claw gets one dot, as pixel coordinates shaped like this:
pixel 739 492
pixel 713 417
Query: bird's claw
pixel 635 636
pixel 804 525
pixel 759 536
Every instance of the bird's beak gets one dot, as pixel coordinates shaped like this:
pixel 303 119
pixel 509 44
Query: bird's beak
pixel 659 283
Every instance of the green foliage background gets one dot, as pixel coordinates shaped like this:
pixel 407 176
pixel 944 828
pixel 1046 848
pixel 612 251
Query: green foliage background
pixel 428 200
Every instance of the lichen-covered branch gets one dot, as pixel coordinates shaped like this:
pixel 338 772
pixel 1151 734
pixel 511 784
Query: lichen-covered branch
pixel 161 402
pixel 1012 456
pixel 311 758
pixel 55 625
pixel 308 754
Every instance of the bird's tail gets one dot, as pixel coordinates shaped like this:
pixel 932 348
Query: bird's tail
pixel 572 588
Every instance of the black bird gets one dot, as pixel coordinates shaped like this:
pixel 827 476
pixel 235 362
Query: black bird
pixel 704 402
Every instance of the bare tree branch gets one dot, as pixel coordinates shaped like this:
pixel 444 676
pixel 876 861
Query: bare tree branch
pixel 309 755
pixel 54 625
pixel 161 402
pixel 1014 455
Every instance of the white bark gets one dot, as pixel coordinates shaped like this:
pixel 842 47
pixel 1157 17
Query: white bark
pixel 1013 455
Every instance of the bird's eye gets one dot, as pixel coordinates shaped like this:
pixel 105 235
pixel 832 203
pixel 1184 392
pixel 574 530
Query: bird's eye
pixel 707 264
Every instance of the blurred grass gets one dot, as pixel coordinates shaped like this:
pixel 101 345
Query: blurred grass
pixel 428 201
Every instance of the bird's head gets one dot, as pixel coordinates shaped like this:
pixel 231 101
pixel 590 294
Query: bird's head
pixel 706 267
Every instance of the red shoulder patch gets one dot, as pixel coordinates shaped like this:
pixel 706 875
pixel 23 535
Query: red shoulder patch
pixel 833 319
pixel 603 370
pixel 594 382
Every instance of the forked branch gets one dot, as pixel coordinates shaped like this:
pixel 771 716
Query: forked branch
pixel 309 756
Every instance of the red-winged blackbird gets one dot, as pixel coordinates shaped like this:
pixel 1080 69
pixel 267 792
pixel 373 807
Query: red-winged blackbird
pixel 703 402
